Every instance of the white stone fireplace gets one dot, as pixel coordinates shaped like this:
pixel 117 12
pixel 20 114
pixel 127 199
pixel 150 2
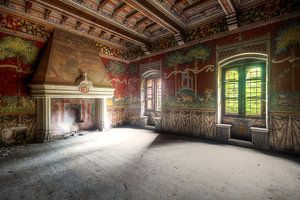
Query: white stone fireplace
pixel 44 94
pixel 70 68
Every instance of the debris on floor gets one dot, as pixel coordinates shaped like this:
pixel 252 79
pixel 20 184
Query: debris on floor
pixel 73 133
pixel 4 152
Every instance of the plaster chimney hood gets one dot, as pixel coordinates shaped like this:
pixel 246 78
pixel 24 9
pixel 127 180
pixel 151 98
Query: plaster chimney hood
pixel 71 68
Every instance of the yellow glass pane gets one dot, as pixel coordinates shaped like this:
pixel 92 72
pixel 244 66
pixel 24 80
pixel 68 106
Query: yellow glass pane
pixel 231 106
pixel 253 72
pixel 149 83
pixel 149 104
pixel 232 74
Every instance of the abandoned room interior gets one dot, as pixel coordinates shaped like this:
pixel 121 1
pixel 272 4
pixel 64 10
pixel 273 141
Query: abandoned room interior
pixel 150 99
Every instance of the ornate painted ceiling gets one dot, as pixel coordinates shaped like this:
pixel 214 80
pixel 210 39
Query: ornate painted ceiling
pixel 148 25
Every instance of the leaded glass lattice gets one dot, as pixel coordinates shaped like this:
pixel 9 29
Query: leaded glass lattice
pixel 244 90
pixel 231 91
pixel 253 91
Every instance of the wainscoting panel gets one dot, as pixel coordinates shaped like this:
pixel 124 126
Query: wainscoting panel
pixel 285 132
pixel 190 122
pixel 117 116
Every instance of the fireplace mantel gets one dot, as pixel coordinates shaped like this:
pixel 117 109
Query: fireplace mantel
pixel 68 91
pixel 70 68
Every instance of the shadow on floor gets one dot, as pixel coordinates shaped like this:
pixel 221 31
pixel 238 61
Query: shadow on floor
pixel 165 139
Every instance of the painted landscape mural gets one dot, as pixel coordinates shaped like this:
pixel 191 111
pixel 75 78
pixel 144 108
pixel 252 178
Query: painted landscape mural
pixel 117 105
pixel 185 71
pixel 18 56
pixel 189 81
pixel 285 93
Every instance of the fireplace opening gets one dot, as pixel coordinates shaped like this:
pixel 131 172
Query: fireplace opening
pixel 73 117
pixel 73 114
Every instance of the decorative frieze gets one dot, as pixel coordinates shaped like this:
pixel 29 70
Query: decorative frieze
pixel 206 30
pixel 24 26
pixel 267 10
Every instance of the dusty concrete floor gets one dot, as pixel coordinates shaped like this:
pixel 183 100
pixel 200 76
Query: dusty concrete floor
pixel 126 163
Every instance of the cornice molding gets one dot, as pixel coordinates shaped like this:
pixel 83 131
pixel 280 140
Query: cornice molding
pixel 53 25
pixel 262 23
pixel 22 35
pixel 114 58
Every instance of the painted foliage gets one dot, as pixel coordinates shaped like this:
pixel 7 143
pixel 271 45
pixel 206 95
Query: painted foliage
pixel 182 74
pixel 118 77
pixel 22 50
pixel 17 59
pixel 117 73
pixel 286 65
pixel 21 41
pixel 134 83
pixel 16 105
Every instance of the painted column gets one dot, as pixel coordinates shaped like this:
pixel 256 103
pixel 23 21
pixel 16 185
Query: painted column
pixel 43 119
pixel 102 115
pixel 98 114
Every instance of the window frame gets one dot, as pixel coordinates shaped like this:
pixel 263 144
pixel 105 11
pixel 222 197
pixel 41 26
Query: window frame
pixel 242 67
pixel 155 105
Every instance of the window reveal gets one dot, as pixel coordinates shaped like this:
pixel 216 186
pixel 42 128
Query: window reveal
pixel 243 90
pixel 153 94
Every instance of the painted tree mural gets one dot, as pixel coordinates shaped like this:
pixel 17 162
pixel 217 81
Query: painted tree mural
pixel 24 52
pixel 134 74
pixel 198 53
pixel 194 55
pixel 14 47
pixel 117 69
pixel 134 70
pixel 288 40
pixel 173 60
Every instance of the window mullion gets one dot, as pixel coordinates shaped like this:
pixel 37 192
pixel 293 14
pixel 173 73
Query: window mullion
pixel 241 91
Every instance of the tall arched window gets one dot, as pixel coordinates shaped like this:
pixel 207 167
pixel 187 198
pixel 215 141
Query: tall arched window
pixel 153 94
pixel 243 93
pixel 244 89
